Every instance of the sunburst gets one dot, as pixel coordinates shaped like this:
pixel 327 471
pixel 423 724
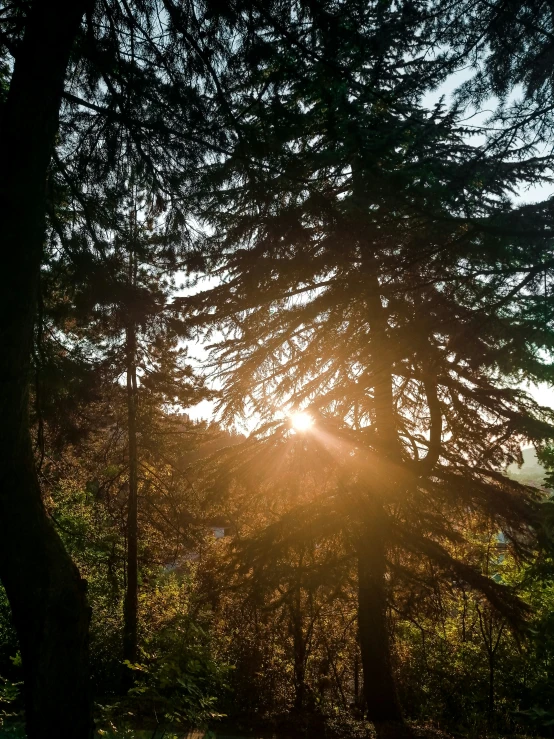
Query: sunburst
pixel 301 421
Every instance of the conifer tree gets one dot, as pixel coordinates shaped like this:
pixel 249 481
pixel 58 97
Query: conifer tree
pixel 370 272
pixel 89 78
pixel 120 309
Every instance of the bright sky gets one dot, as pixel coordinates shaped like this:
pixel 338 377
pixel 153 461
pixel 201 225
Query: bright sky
pixel 543 394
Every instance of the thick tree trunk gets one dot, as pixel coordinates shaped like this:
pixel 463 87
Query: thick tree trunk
pixel 46 594
pixel 383 708
pixel 131 594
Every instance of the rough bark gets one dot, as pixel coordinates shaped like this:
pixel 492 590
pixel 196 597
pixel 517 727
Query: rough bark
pixel 46 593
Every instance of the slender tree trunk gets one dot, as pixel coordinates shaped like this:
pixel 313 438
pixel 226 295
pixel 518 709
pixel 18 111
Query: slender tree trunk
pixel 46 594
pixel 491 691
pixel 299 646
pixel 356 681
pixel 131 594
pixel 491 642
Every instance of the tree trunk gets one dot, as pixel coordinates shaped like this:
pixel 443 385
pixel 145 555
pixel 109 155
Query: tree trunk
pixel 299 646
pixel 356 681
pixel 46 594
pixel 131 595
pixel 383 708
pixel 491 642
pixel 490 711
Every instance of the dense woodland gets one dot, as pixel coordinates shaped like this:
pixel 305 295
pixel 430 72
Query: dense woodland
pixel 326 228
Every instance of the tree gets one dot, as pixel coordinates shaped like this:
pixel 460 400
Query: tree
pixel 46 594
pixel 290 600
pixel 120 310
pixel 367 273
pixel 119 80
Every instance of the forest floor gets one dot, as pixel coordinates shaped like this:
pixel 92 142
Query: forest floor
pixel 16 731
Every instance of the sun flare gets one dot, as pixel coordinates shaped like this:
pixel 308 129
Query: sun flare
pixel 301 421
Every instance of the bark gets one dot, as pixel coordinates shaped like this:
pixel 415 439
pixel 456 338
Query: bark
pixel 46 593
pixel 356 681
pixel 492 642
pixel 299 645
pixel 383 707
pixel 490 712
pixel 131 594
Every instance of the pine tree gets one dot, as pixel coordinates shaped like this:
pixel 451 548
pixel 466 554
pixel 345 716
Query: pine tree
pixel 87 78
pixel 120 309
pixel 369 273
pixel 509 50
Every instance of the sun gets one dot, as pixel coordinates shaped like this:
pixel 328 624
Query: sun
pixel 301 421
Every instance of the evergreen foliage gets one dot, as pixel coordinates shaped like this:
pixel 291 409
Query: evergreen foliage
pixel 374 279
pixel 270 179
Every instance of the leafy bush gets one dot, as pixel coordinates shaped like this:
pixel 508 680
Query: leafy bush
pixel 9 692
pixel 178 679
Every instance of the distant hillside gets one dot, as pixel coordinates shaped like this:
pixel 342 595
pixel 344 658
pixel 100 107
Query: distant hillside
pixel 531 472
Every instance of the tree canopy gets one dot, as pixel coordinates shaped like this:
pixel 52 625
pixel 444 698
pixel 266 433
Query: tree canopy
pixel 278 185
